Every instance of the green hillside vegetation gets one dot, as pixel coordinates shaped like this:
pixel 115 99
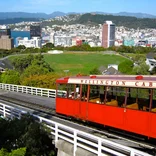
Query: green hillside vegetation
pixel 130 22
pixel 88 18
pixel 18 20
pixel 94 19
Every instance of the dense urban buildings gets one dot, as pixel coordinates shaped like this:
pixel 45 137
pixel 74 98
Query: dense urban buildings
pixel 64 41
pixel 34 42
pixel 78 34
pixel 108 34
pixel 35 31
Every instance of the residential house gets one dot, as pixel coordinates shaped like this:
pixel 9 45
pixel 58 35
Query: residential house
pixel 151 60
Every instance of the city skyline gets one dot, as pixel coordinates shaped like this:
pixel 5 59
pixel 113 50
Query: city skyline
pixel 81 6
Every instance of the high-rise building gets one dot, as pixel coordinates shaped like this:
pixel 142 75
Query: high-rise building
pixel 34 42
pixel 5 32
pixel 108 34
pixel 35 31
pixel 6 42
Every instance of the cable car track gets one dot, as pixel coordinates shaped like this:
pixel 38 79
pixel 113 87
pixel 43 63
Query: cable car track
pixel 150 148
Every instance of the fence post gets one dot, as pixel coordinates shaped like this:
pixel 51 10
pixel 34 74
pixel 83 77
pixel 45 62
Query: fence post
pixel 9 87
pixel 4 114
pixel 11 113
pixel 48 93
pixel 99 147
pixel 31 91
pixel 20 115
pixel 132 153
pixel 75 143
pixel 3 87
pixel 41 92
pixel 56 133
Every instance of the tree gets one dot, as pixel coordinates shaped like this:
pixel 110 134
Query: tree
pixel 26 132
pixel 21 63
pixel 11 77
pixel 35 70
pixel 38 67
pixel 17 152
pixel 49 45
pixel 21 47
pixel 41 81
pixel 126 67
pixel 139 58
pixel 141 69
pixel 95 71
pixel 39 60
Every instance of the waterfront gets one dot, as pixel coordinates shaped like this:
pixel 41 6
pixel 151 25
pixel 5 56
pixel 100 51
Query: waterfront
pixel 15 34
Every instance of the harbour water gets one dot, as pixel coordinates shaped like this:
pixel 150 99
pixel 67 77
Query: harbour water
pixel 15 34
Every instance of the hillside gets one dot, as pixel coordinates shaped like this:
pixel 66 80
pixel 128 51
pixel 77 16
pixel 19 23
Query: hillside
pixel 6 15
pixel 18 20
pixel 130 22
pixel 93 19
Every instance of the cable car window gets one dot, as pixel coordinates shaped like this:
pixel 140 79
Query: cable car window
pixel 62 90
pixel 74 91
pixel 153 107
pixel 96 94
pixel 120 95
pixel 115 96
pixel 138 98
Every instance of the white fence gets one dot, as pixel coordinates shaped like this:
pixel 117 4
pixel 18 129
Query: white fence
pixel 51 93
pixel 77 138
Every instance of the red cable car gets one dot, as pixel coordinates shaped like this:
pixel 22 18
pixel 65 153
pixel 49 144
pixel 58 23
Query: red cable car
pixel 125 102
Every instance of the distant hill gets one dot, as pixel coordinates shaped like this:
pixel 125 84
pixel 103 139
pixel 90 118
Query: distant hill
pixel 130 22
pixel 89 18
pixel 18 20
pixel 6 15
pixel 137 15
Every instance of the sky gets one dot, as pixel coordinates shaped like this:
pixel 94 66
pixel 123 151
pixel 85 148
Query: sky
pixel 80 6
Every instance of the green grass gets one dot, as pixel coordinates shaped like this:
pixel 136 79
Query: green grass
pixel 81 62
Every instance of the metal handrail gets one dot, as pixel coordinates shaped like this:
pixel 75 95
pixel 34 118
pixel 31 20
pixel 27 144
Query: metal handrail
pixel 79 139
pixel 51 93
